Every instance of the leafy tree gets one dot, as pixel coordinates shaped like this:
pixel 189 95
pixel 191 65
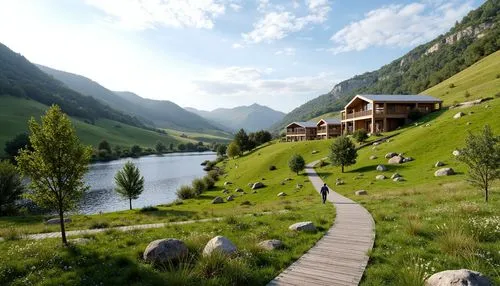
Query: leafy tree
pixel 118 151
pixel 260 137
pixel 233 149
pixel 11 187
pixel 241 138
pixel 482 155
pixel 171 147
pixel 296 163
pixel 181 147
pixel 343 152
pixel 129 182
pixel 56 165
pixel 136 150
pixel 190 146
pixel 160 147
pixel 221 150
pixel 104 145
pixel 13 146
pixel 360 135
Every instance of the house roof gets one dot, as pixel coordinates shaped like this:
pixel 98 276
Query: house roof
pixel 305 124
pixel 330 121
pixel 400 97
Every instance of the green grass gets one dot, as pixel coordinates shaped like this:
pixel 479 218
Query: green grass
pixel 194 137
pixel 334 114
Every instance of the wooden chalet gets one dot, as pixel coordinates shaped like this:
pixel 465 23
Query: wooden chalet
pixel 301 131
pixel 328 128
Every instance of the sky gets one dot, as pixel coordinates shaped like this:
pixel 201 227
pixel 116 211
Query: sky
pixel 208 54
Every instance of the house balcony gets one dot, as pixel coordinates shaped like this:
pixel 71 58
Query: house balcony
pixel 356 114
pixel 398 112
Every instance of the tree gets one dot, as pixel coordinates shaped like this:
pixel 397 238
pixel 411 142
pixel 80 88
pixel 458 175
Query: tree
pixel 181 147
pixel 13 146
pixel 233 149
pixel 160 147
pixel 56 165
pixel 482 155
pixel 104 145
pixel 360 135
pixel 241 138
pixel 221 150
pixel 136 150
pixel 343 152
pixel 11 187
pixel 129 182
pixel 171 147
pixel 296 163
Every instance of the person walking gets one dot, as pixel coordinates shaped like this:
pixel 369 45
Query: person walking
pixel 324 192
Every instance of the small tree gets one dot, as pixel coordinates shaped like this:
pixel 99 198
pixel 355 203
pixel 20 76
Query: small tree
pixel 11 187
pixel 360 135
pixel 482 155
pixel 221 150
pixel 12 147
pixel 296 163
pixel 343 152
pixel 233 149
pixel 104 145
pixel 171 147
pixel 136 150
pixel 241 138
pixel 129 182
pixel 56 165
pixel 181 147
pixel 160 147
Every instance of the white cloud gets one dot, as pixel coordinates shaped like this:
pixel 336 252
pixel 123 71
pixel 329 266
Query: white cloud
pixel 145 14
pixel 237 46
pixel 235 7
pixel 279 23
pixel 286 52
pixel 400 25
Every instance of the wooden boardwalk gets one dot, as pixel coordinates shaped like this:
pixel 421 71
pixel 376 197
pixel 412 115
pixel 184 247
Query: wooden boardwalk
pixel 341 256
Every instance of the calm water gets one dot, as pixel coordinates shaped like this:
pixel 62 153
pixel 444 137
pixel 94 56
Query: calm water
pixel 162 176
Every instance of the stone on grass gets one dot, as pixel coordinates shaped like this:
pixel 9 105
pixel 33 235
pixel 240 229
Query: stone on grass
pixel 381 168
pixel 373 157
pixel 396 160
pixel 299 186
pixel 458 115
pixel 390 155
pixel 227 183
pixel 439 164
pixel 257 185
pixel 165 250
pixel 339 182
pixel 57 221
pixel 315 152
pixel 407 159
pixel 444 172
pixel 282 194
pixel 303 226
pixel 380 177
pixel 217 200
pixel 461 277
pixel 288 179
pixel 219 244
pixel 361 193
pixel 395 175
pixel 225 191
pixel 230 198
pixel 375 143
pixel 398 179
pixel 455 153
pixel 270 244
pixel 239 190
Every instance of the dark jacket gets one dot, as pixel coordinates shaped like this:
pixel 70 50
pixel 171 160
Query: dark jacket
pixel 325 190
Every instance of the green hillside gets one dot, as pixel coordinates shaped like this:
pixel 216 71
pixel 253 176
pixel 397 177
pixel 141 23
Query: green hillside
pixel 15 113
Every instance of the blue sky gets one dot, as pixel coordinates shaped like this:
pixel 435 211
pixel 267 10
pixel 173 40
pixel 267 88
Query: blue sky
pixel 223 53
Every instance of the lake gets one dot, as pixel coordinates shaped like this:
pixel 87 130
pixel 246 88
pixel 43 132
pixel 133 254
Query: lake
pixel 162 176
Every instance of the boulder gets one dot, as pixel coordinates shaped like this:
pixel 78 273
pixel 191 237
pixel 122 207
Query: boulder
pixel 339 182
pixel 390 155
pixel 217 200
pixel 455 153
pixel 461 277
pixel 165 250
pixel 381 168
pixel 282 194
pixel 220 244
pixel 239 190
pixel 315 152
pixel 361 193
pixel 225 191
pixel 303 226
pixel 396 160
pixel 427 125
pixel 407 159
pixel 376 143
pixel 57 221
pixel 439 164
pixel 395 175
pixel 398 179
pixel 230 198
pixel 444 172
pixel 288 179
pixel 270 244
pixel 458 115
pixel 380 177
pixel 299 186
pixel 227 183
pixel 257 185
pixel 373 157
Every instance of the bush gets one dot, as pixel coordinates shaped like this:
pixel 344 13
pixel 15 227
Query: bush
pixel 185 192
pixel 11 187
pixel 452 85
pixel 272 168
pixel 214 174
pixel 199 186
pixel 149 209
pixel 360 135
pixel 414 114
pixel 209 182
pixel 296 163
pixel 467 94
pixel 99 224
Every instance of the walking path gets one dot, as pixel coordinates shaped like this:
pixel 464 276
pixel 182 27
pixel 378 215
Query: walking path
pixel 341 256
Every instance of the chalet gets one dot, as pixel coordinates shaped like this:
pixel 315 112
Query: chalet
pixel 328 128
pixel 383 113
pixel 300 131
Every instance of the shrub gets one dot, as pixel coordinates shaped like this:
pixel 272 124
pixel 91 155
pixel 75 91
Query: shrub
pixel 99 224
pixel 209 182
pixel 414 114
pixel 149 209
pixel 467 94
pixel 11 187
pixel 214 174
pixel 360 135
pixel 199 186
pixel 272 168
pixel 185 192
pixel 246 203
pixel 452 85
pixel 296 163
pixel 498 75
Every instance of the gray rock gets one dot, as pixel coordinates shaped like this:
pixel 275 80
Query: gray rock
pixel 288 179
pixel 225 191
pixel 315 152
pixel 257 185
pixel 303 226
pixel 376 143
pixel 57 221
pixel 462 277
pixel 282 194
pixel 444 172
pixel 339 182
pixel 220 244
pixel 227 183
pixel 217 200
pixel 458 115
pixel 396 160
pixel 427 125
pixel 299 186
pixel 455 153
pixel 381 168
pixel 469 123
pixel 398 179
pixel 270 244
pixel 373 157
pixel 165 250
pixel 361 193
pixel 380 177
pixel 407 159
pixel 282 183
pixel 395 175
pixel 390 155
pixel 239 190
pixel 439 164
pixel 230 198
